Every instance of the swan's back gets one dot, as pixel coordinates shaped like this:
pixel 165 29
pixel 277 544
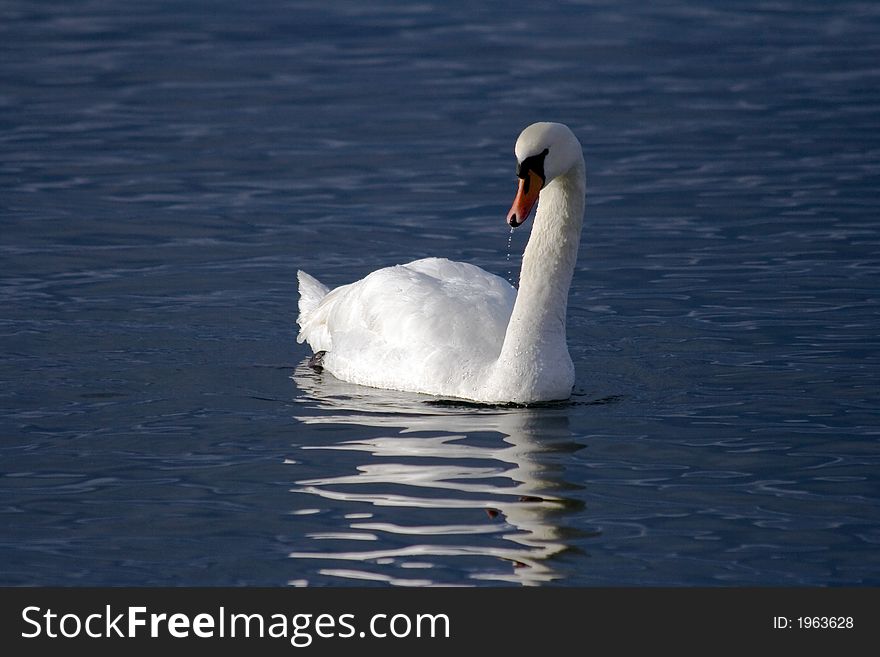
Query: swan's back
pixel 421 326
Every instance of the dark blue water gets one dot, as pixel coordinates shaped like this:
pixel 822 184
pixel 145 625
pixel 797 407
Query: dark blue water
pixel 166 167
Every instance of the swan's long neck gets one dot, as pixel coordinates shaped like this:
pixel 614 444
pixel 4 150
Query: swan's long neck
pixel 535 337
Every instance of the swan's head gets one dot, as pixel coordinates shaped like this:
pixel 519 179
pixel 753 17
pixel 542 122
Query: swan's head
pixel 543 152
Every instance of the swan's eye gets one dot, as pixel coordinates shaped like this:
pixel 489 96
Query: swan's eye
pixel 534 163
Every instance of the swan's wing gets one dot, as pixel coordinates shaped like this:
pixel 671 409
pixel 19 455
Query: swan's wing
pixel 456 304
pixel 419 320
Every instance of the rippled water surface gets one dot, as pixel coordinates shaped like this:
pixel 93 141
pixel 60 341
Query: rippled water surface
pixel 166 167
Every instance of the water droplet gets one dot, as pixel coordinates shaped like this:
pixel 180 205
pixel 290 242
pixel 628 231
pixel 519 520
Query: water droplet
pixel 509 269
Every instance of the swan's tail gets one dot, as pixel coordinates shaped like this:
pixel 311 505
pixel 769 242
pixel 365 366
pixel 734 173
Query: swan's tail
pixel 311 291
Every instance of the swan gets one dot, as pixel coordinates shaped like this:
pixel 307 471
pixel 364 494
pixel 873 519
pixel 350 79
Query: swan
pixel 452 329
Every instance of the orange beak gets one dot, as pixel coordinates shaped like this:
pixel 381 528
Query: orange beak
pixel 529 188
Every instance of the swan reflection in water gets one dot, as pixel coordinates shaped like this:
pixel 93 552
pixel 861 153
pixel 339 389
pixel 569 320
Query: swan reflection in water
pixel 436 487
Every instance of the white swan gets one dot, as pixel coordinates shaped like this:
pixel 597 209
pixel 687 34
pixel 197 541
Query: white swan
pixel 452 329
